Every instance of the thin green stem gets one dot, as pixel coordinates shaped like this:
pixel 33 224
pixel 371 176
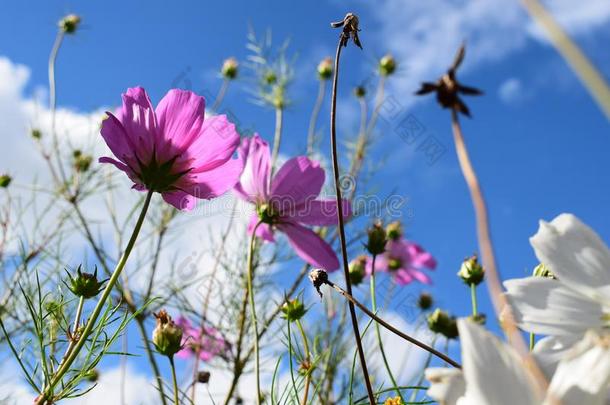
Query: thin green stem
pixel 174 381
pixel 74 337
pixel 277 138
pixel 253 313
pixel 294 383
pixel 532 341
pixel 473 298
pixel 311 133
pixel 307 362
pixel 98 308
pixel 378 331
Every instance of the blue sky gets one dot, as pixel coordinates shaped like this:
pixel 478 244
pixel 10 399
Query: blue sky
pixel 537 140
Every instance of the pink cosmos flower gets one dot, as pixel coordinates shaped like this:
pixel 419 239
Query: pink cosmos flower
pixel 209 341
pixel 172 149
pixel 288 201
pixel 404 260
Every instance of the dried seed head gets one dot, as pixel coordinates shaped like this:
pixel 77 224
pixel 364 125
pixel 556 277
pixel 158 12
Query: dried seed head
pixel 203 377
pixel 229 68
pixel 167 336
pixel 350 25
pixel 318 277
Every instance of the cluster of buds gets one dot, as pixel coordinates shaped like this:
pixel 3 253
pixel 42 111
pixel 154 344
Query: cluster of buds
pixel 85 285
pixel 394 230
pixel 387 65
pixel 543 271
pixel 293 310
pixel 167 336
pixel 376 239
pixel 357 269
pixel 441 322
pixel 471 272
pixel 229 69
pixel 325 69
pixel 69 23
pixel 81 162
pixel 5 180
pixel 425 301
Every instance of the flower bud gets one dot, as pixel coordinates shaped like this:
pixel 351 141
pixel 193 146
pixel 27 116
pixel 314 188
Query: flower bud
pixel 5 180
pixel 471 272
pixel 85 285
pixel 81 163
pixel 357 269
pixel 425 301
pixel 318 277
pixel 203 377
pixel 387 65
pixel 325 69
pixel 377 239
pixel 394 401
pixel 441 322
pixel 92 375
pixel 543 271
pixel 478 318
pixel 69 23
pixel 229 68
pixel 36 133
pixel 167 336
pixel 394 230
pixel 359 91
pixel 293 310
pixel 270 78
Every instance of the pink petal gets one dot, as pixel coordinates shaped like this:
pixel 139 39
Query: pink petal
pixel 263 231
pixel 253 185
pixel 124 168
pixel 310 247
pixel 215 145
pixel 419 257
pixel 321 212
pixel 298 180
pixel 402 277
pixel 138 118
pixel 117 139
pixel 420 276
pixel 180 119
pixel 212 183
pixel 180 200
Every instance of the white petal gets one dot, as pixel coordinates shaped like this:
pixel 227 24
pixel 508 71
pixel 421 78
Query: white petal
pixel 583 376
pixel 493 372
pixel 546 306
pixel 549 351
pixel 575 254
pixel 446 384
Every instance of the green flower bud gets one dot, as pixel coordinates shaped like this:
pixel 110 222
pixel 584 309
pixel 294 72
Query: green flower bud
pixel 293 310
pixel 85 285
pixel 359 91
pixel 394 230
pixel 81 163
pixel 471 272
pixel 325 69
pixel 377 239
pixel 229 68
pixel 36 133
pixel 270 78
pixel 5 180
pixel 441 322
pixel 543 271
pixel 92 375
pixel 357 269
pixel 167 336
pixel 425 301
pixel 69 23
pixel 387 65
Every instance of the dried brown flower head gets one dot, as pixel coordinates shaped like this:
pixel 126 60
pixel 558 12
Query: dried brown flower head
pixel 350 29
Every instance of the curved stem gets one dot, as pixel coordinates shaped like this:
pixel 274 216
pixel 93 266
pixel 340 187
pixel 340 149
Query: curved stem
pixel 253 314
pixel 311 133
pixel 221 95
pixel 174 381
pixel 277 138
pixel 391 328
pixel 53 99
pixel 333 145
pixel 307 362
pixel 499 301
pixel 378 331
pixel 98 308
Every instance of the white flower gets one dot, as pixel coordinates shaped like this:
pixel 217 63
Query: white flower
pixel 579 300
pixel 493 373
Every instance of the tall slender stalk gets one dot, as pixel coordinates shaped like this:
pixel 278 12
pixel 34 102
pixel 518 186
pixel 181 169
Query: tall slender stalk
pixel 378 331
pixel 307 362
pixel 277 138
pixel 336 173
pixel 174 381
pixel 499 301
pixel 53 99
pixel 311 133
pixel 253 313
pixel 46 395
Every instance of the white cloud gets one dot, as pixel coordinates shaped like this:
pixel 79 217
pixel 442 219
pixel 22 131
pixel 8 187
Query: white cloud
pixel 511 91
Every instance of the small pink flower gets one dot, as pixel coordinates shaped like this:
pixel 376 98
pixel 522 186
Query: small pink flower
pixel 207 340
pixel 404 260
pixel 288 202
pixel 172 149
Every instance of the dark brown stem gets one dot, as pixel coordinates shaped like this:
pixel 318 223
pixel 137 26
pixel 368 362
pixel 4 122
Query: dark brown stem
pixel 391 328
pixel 333 144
